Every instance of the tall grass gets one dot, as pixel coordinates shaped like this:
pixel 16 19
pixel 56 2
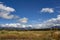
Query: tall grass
pixel 29 35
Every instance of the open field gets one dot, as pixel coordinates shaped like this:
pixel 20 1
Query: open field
pixel 29 35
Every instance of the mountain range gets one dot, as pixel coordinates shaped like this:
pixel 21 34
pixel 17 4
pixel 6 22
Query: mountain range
pixel 28 28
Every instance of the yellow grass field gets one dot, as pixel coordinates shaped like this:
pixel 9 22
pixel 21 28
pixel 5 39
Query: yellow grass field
pixel 29 35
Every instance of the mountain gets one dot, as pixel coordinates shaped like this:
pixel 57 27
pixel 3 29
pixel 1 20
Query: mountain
pixel 29 28
pixel 55 27
pixel 15 28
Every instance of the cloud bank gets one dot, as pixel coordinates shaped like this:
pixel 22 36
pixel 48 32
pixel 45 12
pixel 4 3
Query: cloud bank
pixel 16 25
pixel 48 23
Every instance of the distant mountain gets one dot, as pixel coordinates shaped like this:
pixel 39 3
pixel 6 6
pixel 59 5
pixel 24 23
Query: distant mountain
pixel 15 28
pixel 56 27
pixel 28 28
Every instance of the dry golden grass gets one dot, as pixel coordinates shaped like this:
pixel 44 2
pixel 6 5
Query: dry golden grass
pixel 29 35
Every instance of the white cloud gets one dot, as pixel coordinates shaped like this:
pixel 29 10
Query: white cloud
pixel 5 12
pixel 49 10
pixel 49 23
pixel 23 20
pixel 11 25
pixel 8 9
pixel 29 26
pixel 16 25
pixel 23 26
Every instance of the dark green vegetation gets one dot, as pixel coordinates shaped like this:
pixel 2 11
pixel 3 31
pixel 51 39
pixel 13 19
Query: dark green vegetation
pixel 29 35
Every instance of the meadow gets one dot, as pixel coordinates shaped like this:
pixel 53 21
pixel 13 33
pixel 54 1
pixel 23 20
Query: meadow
pixel 29 35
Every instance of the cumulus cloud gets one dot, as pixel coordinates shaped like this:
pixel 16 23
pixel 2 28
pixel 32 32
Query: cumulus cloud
pixel 23 20
pixel 49 10
pixel 49 23
pixel 5 12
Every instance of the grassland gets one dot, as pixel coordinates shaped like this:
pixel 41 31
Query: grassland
pixel 29 35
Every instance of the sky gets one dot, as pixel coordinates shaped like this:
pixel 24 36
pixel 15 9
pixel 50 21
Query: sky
pixel 33 13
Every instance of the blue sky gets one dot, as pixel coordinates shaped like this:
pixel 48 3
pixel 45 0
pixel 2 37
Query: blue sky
pixel 35 11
